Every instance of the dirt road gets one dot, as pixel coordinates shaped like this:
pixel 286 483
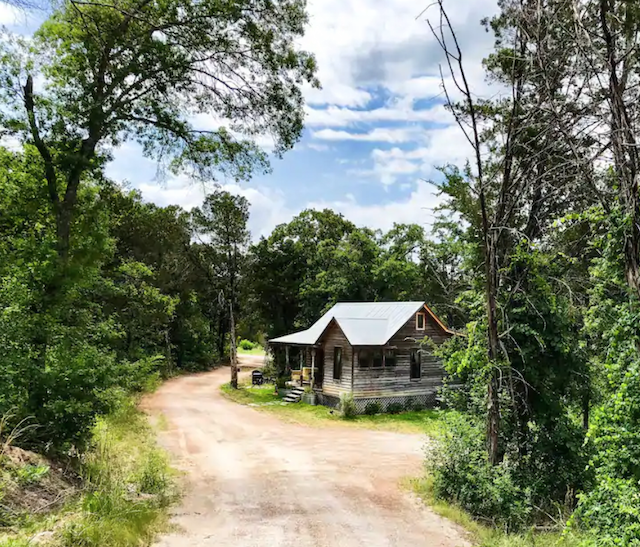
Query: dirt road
pixel 254 481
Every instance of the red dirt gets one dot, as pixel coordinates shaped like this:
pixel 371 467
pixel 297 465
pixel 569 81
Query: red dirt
pixel 255 481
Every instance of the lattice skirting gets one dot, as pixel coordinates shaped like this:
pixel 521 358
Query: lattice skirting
pixel 424 400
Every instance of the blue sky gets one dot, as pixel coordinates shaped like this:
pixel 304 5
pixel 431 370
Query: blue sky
pixel 374 132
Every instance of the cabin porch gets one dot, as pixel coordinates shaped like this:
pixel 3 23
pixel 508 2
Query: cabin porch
pixel 306 364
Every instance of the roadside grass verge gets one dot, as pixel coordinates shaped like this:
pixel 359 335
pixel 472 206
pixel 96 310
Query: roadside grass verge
pixel 423 421
pixel 127 486
pixel 259 350
pixel 485 535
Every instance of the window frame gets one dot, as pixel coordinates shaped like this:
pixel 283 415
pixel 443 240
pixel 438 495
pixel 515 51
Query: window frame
pixel 418 359
pixel 424 321
pixel 336 350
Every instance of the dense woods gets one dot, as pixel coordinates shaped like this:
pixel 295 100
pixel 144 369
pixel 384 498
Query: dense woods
pixel 533 256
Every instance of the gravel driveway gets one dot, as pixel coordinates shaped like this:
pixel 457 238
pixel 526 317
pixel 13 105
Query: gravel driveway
pixel 254 481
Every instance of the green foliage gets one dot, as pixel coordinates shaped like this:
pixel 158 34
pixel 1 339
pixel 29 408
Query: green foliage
pixel 463 475
pixel 130 306
pixel 347 408
pixel 612 511
pixel 371 409
pixel 395 408
pixel 246 344
pixel 130 485
pixel 31 474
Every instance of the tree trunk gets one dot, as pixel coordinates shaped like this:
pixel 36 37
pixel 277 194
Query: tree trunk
pixel 232 350
pixel 493 402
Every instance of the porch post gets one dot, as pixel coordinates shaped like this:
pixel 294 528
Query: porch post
pixel 302 357
pixel 313 366
pixel 286 358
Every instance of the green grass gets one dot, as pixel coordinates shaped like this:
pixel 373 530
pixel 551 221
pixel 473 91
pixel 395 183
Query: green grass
pixel 250 394
pixel 487 536
pixel 259 350
pixel 127 488
pixel 424 421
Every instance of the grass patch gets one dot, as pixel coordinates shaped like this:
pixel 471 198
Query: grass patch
pixel 487 536
pixel 259 350
pixel 250 394
pixel 126 489
pixel 423 421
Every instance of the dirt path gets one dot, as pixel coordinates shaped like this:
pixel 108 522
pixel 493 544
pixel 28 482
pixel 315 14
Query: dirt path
pixel 254 481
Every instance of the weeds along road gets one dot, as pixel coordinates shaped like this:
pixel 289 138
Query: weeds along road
pixel 254 481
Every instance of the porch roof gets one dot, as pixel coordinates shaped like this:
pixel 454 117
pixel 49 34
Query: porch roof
pixel 363 323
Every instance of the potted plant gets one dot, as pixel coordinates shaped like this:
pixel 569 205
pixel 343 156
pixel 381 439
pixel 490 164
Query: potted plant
pixel 309 396
pixel 281 387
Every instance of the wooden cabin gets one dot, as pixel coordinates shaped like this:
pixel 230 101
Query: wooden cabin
pixel 372 350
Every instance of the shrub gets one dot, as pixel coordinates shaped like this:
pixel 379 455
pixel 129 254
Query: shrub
pixel 372 408
pixel 395 408
pixel 413 404
pixel 612 511
pixel 246 345
pixel 348 408
pixel 462 474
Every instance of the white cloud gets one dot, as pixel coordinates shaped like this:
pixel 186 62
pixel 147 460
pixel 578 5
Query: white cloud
pixel 334 116
pixel 417 208
pixel 333 92
pixel 362 43
pixel 10 15
pixel 269 207
pixel 379 134
pixel 318 147
pixel 11 143
pixel 442 147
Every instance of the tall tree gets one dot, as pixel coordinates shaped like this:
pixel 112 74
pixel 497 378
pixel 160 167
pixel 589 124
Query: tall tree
pixel 221 225
pixel 99 74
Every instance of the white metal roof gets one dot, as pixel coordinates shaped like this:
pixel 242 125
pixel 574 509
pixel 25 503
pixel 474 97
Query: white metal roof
pixel 363 323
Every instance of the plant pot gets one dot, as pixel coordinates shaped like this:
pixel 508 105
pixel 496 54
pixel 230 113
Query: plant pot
pixel 283 391
pixel 309 398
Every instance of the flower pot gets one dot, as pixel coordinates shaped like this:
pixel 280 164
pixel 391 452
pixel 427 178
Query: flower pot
pixel 283 391
pixel 309 398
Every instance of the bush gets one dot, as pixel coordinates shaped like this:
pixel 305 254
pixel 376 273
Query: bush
pixel 372 408
pixel 612 511
pixel 246 345
pixel 348 408
pixel 462 474
pixel 395 408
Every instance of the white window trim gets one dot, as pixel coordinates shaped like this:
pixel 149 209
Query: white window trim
pixel 424 321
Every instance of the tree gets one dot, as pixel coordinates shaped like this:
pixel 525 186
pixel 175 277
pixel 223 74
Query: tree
pixel 221 225
pixel 145 71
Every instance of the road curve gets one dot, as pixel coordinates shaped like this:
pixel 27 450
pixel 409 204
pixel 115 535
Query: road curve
pixel 255 481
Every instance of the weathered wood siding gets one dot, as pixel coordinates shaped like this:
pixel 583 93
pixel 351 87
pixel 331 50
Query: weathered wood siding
pixel 389 381
pixel 334 337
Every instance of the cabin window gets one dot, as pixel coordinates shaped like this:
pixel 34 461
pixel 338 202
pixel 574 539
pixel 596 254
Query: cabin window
pixel 420 321
pixel 364 358
pixel 337 363
pixel 415 372
pixel 390 358
pixel 377 358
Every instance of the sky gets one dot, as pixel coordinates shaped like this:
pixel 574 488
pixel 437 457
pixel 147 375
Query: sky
pixel 375 133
